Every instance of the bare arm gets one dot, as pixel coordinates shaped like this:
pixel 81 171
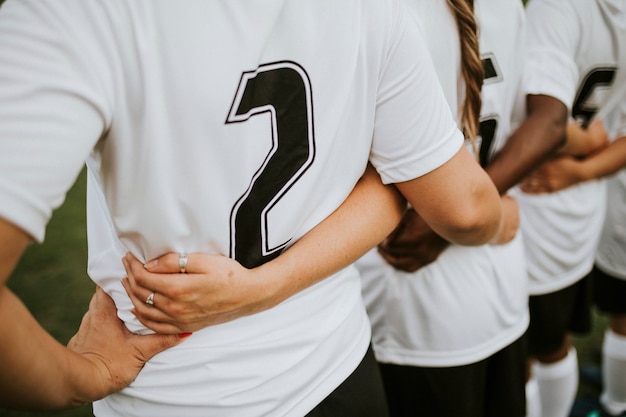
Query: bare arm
pixel 217 289
pixel 583 142
pixel 465 207
pixel 566 171
pixel 604 163
pixel 40 373
pixel 537 139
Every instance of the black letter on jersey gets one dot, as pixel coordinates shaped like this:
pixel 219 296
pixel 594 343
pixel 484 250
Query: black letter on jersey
pixel 585 107
pixel 488 123
pixel 283 90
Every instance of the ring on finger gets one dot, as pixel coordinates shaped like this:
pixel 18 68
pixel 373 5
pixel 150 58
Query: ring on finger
pixel 150 299
pixel 182 262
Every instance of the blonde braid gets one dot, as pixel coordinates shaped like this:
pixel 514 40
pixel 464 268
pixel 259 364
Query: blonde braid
pixel 471 66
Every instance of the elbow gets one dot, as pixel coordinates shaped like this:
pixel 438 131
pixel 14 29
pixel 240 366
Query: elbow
pixel 481 218
pixel 479 227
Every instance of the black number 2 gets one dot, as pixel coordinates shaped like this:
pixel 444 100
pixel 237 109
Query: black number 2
pixel 283 90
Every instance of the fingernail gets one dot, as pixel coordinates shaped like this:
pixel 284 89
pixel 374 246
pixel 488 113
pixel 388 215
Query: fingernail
pixel 184 335
pixel 150 264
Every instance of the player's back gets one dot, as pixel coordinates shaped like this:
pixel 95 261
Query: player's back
pixel 225 127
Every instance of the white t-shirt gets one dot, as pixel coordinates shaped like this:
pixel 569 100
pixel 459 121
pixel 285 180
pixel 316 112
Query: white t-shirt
pixel 611 253
pixel 472 301
pixel 224 127
pixel 572 56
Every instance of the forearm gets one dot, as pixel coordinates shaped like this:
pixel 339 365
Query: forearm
pixel 606 162
pixel 462 203
pixel 582 142
pixel 37 371
pixel 369 214
pixel 538 138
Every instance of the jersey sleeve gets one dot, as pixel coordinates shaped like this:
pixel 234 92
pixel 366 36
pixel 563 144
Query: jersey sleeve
pixel 405 148
pixel 51 115
pixel 552 35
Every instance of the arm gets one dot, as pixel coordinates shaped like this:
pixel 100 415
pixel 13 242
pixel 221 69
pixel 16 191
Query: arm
pixel 40 373
pixel 537 139
pixel 463 205
pixel 217 289
pixel 414 244
pixel 583 142
pixel 567 171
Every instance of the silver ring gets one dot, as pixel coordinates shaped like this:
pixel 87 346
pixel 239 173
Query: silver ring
pixel 182 262
pixel 150 299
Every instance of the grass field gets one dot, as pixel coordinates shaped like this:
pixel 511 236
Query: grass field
pixel 51 279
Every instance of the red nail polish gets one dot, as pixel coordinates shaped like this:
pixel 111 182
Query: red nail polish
pixel 184 335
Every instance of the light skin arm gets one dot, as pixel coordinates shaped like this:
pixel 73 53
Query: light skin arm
pixel 414 244
pixel 567 171
pixel 586 156
pixel 583 142
pixel 40 373
pixel 217 289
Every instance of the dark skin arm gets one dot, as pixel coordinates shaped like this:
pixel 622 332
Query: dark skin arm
pixel 536 140
pixel 413 244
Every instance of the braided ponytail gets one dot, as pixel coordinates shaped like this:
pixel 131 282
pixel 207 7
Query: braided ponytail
pixel 471 66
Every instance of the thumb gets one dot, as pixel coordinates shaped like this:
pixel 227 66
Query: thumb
pixel 150 345
pixel 166 264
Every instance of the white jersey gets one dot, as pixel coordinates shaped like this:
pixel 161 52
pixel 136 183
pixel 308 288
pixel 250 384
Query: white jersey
pixel 224 127
pixel 573 54
pixel 472 301
pixel 611 253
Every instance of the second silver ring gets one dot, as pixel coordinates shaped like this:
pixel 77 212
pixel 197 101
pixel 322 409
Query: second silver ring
pixel 182 263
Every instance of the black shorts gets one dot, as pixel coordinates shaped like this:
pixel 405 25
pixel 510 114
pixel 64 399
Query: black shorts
pixel 494 387
pixel 360 395
pixel 554 315
pixel 609 293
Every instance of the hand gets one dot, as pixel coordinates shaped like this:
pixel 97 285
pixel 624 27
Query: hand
pixel 555 175
pixel 413 244
pixel 112 356
pixel 215 289
pixel 583 142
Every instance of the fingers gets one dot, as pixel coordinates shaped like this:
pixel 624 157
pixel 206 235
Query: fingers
pixel 403 264
pixel 173 262
pixel 102 303
pixel 150 345
pixel 534 183
pixel 155 312
pixel 143 281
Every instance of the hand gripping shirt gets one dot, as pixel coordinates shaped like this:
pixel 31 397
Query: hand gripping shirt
pixel 225 127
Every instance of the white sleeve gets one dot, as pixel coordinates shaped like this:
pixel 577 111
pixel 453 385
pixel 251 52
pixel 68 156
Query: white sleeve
pixel 403 147
pixel 50 113
pixel 553 33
